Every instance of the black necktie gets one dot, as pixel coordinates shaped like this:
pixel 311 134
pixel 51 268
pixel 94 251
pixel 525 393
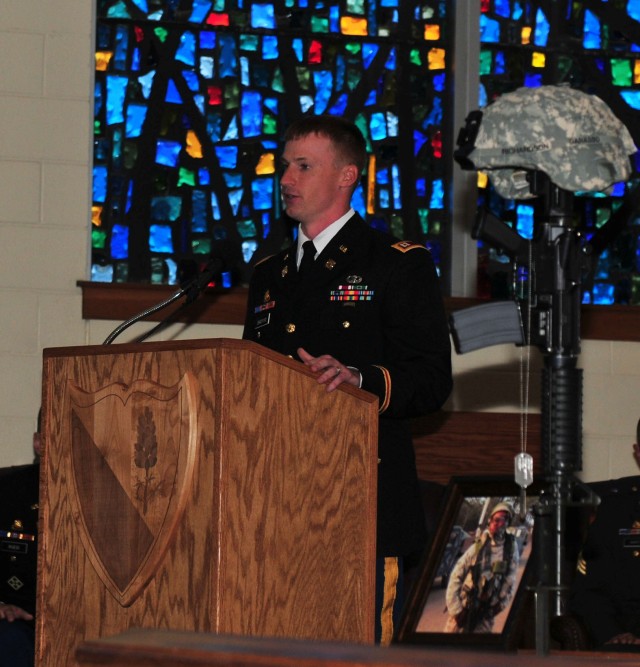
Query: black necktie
pixel 308 257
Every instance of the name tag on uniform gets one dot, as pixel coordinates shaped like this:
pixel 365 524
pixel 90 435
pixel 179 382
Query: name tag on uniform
pixel 262 321
pixel 630 537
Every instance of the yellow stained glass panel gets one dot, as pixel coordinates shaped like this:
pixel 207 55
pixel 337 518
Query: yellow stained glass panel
pixel 103 58
pixel 353 26
pixel 266 164
pixel 194 147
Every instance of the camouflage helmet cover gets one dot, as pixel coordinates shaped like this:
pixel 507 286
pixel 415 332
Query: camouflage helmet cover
pixel 571 136
pixel 502 507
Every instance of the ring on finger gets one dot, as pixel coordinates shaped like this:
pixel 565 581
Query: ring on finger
pixel 338 371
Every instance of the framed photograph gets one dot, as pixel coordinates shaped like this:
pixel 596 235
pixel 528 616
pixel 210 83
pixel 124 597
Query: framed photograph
pixel 471 584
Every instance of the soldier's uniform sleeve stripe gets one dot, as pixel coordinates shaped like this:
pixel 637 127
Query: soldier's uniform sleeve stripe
pixel 387 389
pixel 405 246
pixel 390 594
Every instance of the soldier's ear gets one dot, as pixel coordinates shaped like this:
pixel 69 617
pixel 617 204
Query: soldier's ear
pixel 349 175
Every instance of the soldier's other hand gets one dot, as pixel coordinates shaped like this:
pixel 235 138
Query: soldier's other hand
pixel 10 612
pixel 461 617
pixel 624 638
pixel 331 371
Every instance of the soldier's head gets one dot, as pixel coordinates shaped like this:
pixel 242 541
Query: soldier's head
pixel 499 520
pixel 350 145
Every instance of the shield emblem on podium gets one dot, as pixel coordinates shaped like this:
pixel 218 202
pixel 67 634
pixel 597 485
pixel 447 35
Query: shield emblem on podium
pixel 133 457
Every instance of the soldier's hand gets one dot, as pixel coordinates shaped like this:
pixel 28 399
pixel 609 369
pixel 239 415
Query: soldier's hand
pixel 624 638
pixel 331 371
pixel 11 612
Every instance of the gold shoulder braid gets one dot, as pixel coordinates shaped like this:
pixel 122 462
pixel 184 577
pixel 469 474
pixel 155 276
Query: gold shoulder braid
pixel 264 259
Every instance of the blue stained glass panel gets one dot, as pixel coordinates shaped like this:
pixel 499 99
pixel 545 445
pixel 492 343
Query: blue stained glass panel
pixel 323 81
pixel 173 96
pixel 631 97
pixel 207 40
pixel 541 33
pixel 270 47
pixel 136 114
pixel 228 57
pixel 378 127
pixel 146 81
pixel 160 238
pixel 99 183
pixel 263 16
pixel 227 156
pixel 437 194
pixel 262 189
pixel 199 11
pixel 122 45
pixel 167 152
pixel 489 29
pixel 116 91
pixel 592 38
pixel 186 52
pixel 119 242
pixel 217 81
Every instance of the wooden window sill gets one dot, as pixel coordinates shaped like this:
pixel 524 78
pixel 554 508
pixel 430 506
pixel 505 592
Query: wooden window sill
pixel 120 301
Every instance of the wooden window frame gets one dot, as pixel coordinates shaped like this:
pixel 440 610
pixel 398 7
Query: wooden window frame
pixel 120 301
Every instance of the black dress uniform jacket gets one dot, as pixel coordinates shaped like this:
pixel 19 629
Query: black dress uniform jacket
pixel 373 303
pixel 606 591
pixel 18 535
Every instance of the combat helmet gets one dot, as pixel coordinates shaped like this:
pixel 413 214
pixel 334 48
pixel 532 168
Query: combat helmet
pixel 572 136
pixel 502 507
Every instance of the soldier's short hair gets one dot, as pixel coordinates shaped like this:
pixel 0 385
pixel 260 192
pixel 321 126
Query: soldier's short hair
pixel 345 136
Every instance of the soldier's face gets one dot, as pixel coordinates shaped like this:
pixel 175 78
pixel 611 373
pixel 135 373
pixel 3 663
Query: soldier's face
pixel 498 524
pixel 315 183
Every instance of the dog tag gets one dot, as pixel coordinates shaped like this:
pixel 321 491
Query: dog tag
pixel 523 465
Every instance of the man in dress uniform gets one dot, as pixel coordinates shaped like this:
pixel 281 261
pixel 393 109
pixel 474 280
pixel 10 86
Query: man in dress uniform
pixel 356 305
pixel 18 561
pixel 606 590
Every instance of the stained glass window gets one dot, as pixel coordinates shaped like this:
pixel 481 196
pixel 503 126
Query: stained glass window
pixel 192 97
pixel 595 48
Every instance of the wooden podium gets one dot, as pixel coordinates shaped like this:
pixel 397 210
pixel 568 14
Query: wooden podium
pixel 210 486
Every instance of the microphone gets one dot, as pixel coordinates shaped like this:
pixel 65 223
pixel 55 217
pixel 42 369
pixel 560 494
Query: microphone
pixel 191 288
pixel 194 287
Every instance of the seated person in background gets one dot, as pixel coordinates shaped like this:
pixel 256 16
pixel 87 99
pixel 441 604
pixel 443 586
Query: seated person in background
pixel 606 591
pixel 18 561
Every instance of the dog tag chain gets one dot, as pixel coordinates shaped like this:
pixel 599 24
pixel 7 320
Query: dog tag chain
pixel 523 463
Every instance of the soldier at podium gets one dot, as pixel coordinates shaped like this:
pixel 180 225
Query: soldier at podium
pixel 357 305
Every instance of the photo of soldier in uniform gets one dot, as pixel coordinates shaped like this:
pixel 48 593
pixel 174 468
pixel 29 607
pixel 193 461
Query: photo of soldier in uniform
pixel 481 567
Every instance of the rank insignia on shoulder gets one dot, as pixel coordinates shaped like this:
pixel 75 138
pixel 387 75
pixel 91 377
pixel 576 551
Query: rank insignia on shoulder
pixel 405 246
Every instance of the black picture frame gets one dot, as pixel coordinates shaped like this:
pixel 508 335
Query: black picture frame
pixel 467 503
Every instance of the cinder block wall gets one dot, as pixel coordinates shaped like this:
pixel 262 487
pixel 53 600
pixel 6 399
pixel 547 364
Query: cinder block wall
pixel 46 83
